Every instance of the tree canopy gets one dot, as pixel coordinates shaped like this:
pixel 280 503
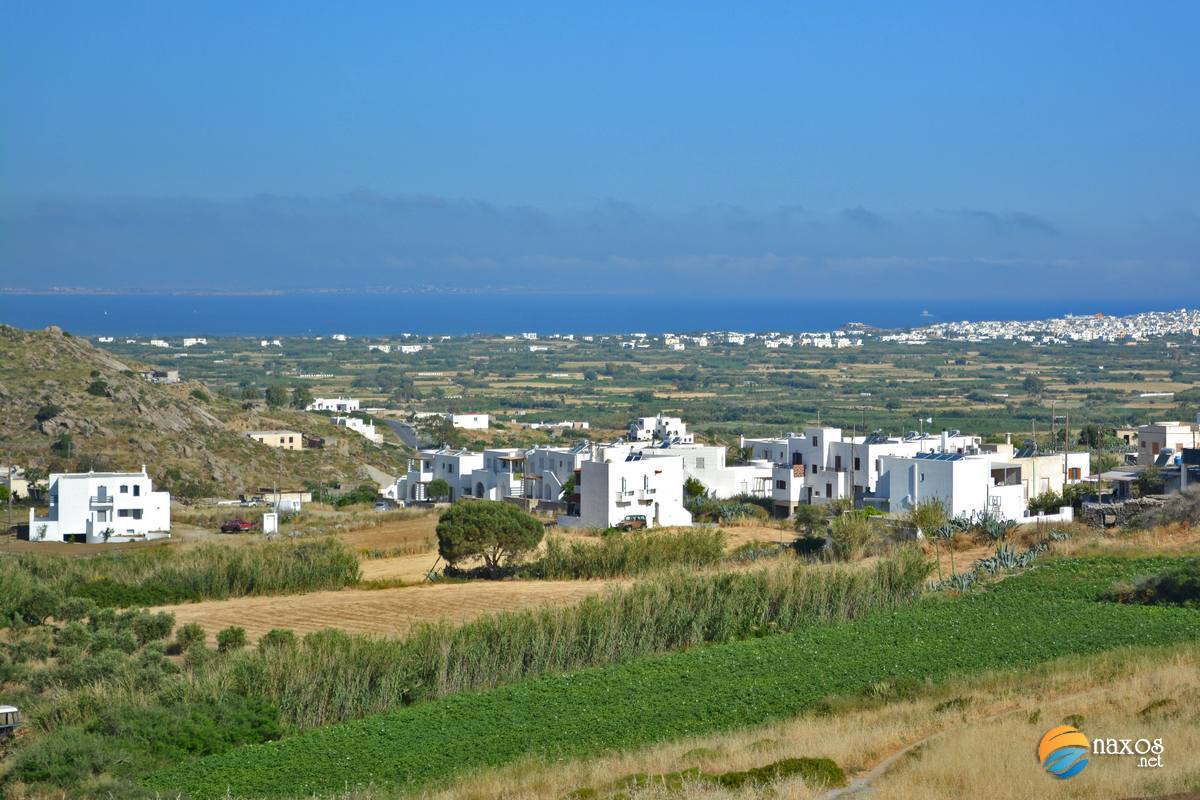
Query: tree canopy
pixel 497 533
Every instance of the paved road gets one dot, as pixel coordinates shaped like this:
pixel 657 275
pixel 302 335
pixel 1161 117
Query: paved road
pixel 406 432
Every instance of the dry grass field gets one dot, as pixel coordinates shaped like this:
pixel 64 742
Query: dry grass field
pixel 383 612
pixel 968 738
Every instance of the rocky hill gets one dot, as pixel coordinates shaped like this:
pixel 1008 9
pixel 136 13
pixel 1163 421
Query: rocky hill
pixel 66 404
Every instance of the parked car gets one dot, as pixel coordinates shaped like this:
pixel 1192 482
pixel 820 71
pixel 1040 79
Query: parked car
pixel 385 505
pixel 236 525
pixel 633 522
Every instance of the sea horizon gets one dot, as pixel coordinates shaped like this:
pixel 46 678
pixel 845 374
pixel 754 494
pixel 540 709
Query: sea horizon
pixel 450 313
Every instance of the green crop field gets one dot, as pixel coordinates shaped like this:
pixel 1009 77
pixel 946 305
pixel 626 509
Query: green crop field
pixel 1055 609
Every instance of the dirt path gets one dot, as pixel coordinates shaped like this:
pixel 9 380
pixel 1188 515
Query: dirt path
pixel 385 612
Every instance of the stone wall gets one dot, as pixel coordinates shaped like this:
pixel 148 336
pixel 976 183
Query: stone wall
pixel 1115 515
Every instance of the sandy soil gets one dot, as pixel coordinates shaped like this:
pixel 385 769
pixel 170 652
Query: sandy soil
pixel 385 612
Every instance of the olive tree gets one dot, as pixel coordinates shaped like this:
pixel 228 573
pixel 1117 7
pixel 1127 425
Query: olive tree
pixel 497 533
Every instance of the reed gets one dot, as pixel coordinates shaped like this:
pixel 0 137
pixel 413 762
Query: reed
pixel 333 676
pixel 159 575
pixel 630 554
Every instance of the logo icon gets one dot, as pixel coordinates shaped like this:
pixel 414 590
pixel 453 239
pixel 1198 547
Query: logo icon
pixel 1063 751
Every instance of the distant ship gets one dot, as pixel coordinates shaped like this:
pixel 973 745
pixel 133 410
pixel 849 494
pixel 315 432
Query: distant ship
pixel 925 313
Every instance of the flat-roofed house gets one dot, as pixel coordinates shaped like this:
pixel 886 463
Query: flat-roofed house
pixel 97 507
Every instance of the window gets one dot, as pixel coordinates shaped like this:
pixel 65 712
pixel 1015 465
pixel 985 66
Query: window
pixel 124 488
pixel 781 484
pixel 797 459
pixel 137 490
pixel 857 463
pixel 1073 474
pixel 877 465
pixel 837 463
pixel 699 463
pixel 814 441
pixel 829 490
pixel 124 512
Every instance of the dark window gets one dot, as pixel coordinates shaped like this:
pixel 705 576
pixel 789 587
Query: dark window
pixel 780 484
pixel 837 463
pixel 797 458
pixel 829 490
pixel 137 490
pixel 857 463
pixel 814 441
pixel 124 488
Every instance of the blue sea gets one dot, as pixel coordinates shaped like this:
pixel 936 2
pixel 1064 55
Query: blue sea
pixel 381 314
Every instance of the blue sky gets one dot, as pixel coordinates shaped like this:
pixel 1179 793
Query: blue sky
pixel 954 148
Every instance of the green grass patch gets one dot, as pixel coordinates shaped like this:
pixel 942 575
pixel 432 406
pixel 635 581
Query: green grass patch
pixel 1024 620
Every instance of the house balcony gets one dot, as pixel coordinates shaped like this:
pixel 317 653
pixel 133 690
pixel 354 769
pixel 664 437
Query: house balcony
pixel 100 502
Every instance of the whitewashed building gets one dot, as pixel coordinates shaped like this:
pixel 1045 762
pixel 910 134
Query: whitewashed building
pixel 340 405
pixel 610 491
pixel 660 428
pixel 359 426
pixel 97 507
pixel 470 422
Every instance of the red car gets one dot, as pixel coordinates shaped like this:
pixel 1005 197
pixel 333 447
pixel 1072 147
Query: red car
pixel 236 525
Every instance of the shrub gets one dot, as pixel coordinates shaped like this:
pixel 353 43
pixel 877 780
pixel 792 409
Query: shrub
pixel 277 637
pixel 47 412
pixel 98 388
pixel 64 759
pixel 188 635
pixel 437 490
pixel 231 638
pixel 1178 585
pixel 497 533
pixel 850 534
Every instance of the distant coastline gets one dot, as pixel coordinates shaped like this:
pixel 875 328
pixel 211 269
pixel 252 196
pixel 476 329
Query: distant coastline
pixel 426 311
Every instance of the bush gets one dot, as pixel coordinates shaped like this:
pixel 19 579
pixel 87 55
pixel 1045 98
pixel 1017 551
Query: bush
pixel 850 534
pixel 65 759
pixel 1179 586
pixel 497 533
pixel 98 388
pixel 231 638
pixel 188 635
pixel 277 637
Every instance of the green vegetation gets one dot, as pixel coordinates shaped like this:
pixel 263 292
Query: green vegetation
pixel 1179 584
pixel 1053 610
pixel 499 534
pixel 34 584
pixel 634 553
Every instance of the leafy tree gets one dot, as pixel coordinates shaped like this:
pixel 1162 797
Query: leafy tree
pixel 568 488
pixel 250 393
pixel 301 397
pixel 807 517
pixel 1092 435
pixel 200 395
pixel 693 489
pixel 4 494
pixel 497 533
pixel 63 444
pixel 438 489
pixel 1150 481
pixel 1034 385
pixel 277 396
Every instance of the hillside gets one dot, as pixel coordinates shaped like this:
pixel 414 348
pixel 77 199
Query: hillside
pixel 191 440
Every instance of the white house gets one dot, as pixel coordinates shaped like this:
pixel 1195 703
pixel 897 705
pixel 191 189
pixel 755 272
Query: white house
pixel 966 485
pixel 359 426
pixel 660 428
pixel 99 507
pixel 610 491
pixel 471 422
pixel 1152 439
pixel 340 405
pixel 548 469
pixel 451 465
pixel 501 475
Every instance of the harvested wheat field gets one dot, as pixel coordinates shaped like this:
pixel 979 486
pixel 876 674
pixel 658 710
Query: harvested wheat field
pixel 385 612
pixel 412 532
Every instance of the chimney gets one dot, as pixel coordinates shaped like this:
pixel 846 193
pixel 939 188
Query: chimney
pixel 945 441
pixel 1008 439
